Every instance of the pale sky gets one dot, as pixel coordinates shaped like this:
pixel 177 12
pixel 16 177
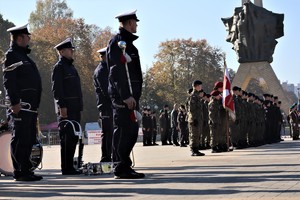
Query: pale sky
pixel 162 20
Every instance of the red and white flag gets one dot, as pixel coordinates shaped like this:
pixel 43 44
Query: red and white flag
pixel 228 102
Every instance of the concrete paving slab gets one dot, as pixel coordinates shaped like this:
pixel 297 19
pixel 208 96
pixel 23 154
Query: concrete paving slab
pixel 268 172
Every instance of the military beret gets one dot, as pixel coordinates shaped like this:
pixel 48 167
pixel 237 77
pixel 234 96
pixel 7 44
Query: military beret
pixel 67 43
pixel 215 93
pixel 122 17
pixel 275 97
pixel 235 88
pixel 166 106
pixel 266 95
pixel 197 82
pixel 218 85
pixel 16 30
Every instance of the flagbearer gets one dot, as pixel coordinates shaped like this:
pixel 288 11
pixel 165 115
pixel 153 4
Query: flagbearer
pixel 223 129
pixel 217 139
pixel 228 104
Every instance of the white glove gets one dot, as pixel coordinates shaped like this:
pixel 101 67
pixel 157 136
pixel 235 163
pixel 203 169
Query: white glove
pixel 128 58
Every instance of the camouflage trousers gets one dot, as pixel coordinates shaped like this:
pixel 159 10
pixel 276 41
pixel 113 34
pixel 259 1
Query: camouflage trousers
pixel 194 133
pixel 217 135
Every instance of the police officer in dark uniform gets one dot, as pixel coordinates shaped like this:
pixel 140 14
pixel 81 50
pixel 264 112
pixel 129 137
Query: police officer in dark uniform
pixel 174 124
pixel 66 88
pixel 22 83
pixel 125 93
pixel 147 123
pixel 104 106
pixel 183 126
pixel 153 128
pixel 165 126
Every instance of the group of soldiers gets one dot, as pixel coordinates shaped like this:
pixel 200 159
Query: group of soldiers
pixel 294 121
pixel 203 122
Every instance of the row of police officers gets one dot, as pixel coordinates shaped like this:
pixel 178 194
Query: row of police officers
pixel 118 84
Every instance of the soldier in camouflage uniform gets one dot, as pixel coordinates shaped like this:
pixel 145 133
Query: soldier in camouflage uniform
pixel 205 128
pixel 261 122
pixel 244 120
pixel 216 136
pixel 294 121
pixel 252 118
pixel 235 127
pixel 202 137
pixel 278 120
pixel 258 131
pixel 194 117
pixel 225 138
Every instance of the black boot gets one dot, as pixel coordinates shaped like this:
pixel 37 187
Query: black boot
pixel 196 152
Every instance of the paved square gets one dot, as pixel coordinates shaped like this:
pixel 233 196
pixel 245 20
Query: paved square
pixel 267 172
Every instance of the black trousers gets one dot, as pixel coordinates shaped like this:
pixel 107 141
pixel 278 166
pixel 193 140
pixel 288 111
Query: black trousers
pixel 68 140
pixel 175 135
pixel 23 138
pixel 184 135
pixel 124 139
pixel 106 136
pixel 147 137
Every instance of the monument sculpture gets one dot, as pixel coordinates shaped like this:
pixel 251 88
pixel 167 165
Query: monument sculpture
pixel 253 31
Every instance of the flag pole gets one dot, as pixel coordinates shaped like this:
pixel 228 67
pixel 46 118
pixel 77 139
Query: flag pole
pixel 227 112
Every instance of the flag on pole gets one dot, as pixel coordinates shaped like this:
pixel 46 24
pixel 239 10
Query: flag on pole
pixel 228 102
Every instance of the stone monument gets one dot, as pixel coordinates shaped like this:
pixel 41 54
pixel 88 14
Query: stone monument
pixel 253 31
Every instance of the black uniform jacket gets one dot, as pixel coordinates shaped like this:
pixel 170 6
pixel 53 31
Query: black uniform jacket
pixel 101 87
pixel 21 77
pixel 118 81
pixel 66 85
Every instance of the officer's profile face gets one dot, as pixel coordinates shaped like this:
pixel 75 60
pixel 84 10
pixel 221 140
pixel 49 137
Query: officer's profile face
pixel 67 53
pixel 133 25
pixel 23 40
